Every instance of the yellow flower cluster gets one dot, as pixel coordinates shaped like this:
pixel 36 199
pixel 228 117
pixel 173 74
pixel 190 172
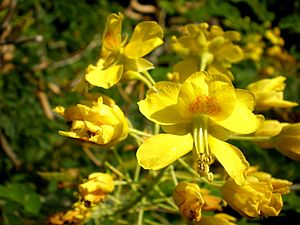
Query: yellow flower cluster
pixel 198 111
pixel 206 49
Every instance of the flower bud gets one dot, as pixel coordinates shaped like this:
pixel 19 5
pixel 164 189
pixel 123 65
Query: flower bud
pixel 95 188
pixel 188 198
pixel 101 122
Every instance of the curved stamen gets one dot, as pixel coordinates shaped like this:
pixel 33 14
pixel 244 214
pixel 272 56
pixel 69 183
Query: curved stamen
pixel 204 157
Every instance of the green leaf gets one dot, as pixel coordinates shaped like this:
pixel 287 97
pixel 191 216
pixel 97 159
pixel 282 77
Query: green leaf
pixel 16 192
pixel 32 203
pixel 4 193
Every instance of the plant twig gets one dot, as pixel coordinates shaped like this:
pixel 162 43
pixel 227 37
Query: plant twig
pixel 9 152
pixel 143 194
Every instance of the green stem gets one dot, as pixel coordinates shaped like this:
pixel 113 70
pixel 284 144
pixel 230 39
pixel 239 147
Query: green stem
pixel 141 214
pixel 140 77
pixel 173 175
pixel 149 77
pixel 251 138
pixel 144 193
pixel 138 132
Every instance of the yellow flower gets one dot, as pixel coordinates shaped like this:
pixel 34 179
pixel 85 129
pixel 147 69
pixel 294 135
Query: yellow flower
pixel 288 141
pixel 102 122
pixel 254 47
pixel 76 215
pixel 95 188
pixel 198 114
pixel 284 137
pixel 282 56
pixel 279 185
pixel 274 36
pixel 206 49
pixel 256 198
pixel 269 128
pixel 217 219
pixel 122 58
pixel 189 200
pixel 269 93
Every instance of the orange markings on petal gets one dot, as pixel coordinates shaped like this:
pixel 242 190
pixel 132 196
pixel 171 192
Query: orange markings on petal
pixel 205 105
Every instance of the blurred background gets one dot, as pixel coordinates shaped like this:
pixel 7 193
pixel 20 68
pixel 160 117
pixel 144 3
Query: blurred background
pixel 45 47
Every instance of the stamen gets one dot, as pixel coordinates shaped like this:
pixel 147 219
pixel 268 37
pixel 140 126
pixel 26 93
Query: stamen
pixel 204 156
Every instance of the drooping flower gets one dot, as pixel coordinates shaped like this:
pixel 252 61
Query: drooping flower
pixel 206 49
pixel 200 113
pixel 269 128
pixel 269 93
pixel 95 189
pixel 284 137
pixel 217 219
pixel 279 185
pixel 258 197
pixel 188 198
pixel 121 58
pixel 101 122
pixel 288 141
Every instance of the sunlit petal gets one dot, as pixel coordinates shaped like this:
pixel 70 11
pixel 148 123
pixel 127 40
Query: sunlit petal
pixel 231 158
pixel 161 150
pixel 146 37
pixel 160 104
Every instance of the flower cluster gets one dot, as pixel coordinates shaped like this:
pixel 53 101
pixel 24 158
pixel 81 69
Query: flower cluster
pixel 196 112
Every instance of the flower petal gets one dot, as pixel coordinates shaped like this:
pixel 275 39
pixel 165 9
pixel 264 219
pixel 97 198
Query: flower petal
pixel 105 78
pixel 161 150
pixel 160 104
pixel 112 34
pixel 185 68
pixel 138 64
pixel 231 158
pixel 206 94
pixel 146 36
pixel 230 52
pixel 242 120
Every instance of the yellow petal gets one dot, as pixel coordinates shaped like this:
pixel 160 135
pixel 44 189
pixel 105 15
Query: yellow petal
pixel 242 120
pixel 178 128
pixel 112 34
pixel 185 68
pixel 231 158
pixel 105 78
pixel 160 104
pixel 232 53
pixel 146 37
pixel 161 150
pixel 138 64
pixel 206 94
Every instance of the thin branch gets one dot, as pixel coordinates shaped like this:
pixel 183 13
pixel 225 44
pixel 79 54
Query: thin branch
pixel 8 16
pixel 91 156
pixel 9 152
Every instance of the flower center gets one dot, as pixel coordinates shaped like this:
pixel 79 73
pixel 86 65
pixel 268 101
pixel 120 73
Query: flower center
pixel 204 156
pixel 205 105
